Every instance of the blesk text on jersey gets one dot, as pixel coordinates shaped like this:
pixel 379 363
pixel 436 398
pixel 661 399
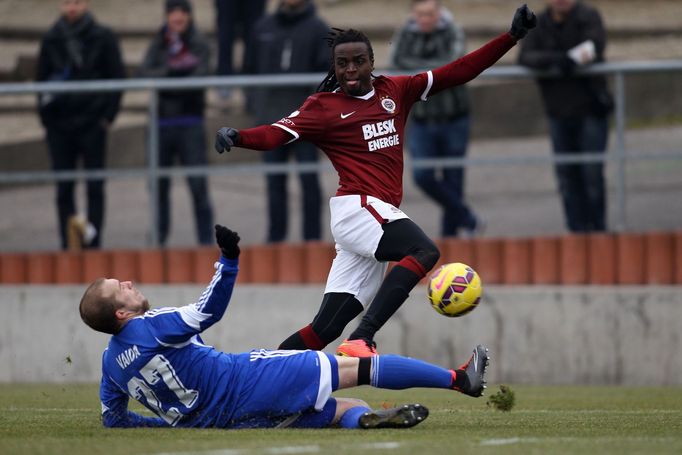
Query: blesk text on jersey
pixel 378 130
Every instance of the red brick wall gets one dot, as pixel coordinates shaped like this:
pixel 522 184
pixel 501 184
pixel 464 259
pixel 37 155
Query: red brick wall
pixel 599 259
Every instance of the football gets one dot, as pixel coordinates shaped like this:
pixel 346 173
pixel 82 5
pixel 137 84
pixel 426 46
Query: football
pixel 454 289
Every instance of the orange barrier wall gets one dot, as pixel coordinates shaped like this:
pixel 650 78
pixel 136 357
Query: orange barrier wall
pixel 598 259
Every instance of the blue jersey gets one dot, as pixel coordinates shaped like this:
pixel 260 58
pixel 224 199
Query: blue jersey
pixel 159 360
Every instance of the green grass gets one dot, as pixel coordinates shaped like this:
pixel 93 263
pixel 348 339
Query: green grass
pixel 37 419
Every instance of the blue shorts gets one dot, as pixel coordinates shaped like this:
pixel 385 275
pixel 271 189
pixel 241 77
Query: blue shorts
pixel 279 384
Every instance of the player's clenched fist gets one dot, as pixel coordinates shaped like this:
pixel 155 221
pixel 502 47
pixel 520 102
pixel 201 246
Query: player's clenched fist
pixel 524 20
pixel 228 241
pixel 225 139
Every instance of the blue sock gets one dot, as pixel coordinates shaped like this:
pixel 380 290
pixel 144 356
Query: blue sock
pixel 317 419
pixel 397 372
pixel 350 418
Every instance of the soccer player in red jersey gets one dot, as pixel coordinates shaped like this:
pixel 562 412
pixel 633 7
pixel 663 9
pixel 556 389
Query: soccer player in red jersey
pixel 358 120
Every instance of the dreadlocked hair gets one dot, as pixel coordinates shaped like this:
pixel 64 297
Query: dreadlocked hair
pixel 335 37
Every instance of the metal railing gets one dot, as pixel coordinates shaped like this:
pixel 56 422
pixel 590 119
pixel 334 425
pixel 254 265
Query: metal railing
pixel 152 171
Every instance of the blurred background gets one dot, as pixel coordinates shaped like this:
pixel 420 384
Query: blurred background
pixel 507 121
pixel 570 300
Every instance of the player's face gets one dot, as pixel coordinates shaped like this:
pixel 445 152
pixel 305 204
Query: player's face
pixel 130 298
pixel 72 10
pixel 353 68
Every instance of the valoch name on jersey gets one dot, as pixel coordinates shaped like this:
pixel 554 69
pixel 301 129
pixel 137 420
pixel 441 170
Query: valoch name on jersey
pixel 375 130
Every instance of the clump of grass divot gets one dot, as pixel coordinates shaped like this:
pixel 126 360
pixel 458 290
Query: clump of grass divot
pixel 503 400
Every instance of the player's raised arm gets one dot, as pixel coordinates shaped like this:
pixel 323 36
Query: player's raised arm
pixel 471 65
pixel 176 325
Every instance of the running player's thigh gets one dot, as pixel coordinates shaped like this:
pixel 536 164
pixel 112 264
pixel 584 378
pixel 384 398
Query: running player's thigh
pixel 354 228
pixel 354 274
pixel 400 238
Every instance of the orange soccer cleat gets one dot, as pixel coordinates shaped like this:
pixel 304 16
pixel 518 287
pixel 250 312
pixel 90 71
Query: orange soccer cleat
pixel 357 348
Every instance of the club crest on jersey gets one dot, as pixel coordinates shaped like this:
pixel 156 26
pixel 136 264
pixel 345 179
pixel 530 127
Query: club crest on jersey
pixel 388 104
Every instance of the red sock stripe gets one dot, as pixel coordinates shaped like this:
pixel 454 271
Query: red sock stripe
pixel 413 265
pixel 310 338
pixel 371 210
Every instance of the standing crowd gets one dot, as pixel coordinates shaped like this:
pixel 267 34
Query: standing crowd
pixel 292 39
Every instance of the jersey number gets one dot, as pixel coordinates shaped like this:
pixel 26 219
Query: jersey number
pixel 160 369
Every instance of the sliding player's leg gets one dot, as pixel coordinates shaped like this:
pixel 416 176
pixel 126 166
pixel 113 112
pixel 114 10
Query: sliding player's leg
pixel 397 372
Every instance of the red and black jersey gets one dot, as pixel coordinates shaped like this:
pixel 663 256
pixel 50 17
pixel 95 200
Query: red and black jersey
pixel 363 136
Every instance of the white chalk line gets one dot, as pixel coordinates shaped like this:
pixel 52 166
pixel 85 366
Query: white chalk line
pixel 587 439
pixel 570 411
pixel 286 450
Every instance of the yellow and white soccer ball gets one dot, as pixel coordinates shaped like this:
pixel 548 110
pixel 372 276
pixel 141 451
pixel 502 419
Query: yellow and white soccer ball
pixel 454 289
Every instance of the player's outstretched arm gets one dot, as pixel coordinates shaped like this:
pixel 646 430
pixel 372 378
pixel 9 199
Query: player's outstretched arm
pixel 177 325
pixel 265 137
pixel 474 63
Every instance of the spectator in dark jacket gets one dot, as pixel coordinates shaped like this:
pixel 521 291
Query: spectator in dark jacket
pixel 234 18
pixel 292 40
pixel 439 127
pixel 571 34
pixel 78 48
pixel 179 50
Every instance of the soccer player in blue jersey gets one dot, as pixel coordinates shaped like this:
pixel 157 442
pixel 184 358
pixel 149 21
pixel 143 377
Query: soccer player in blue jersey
pixel 158 358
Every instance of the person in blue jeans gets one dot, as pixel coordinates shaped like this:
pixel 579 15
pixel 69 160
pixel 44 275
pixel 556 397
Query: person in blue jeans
pixel 439 127
pixel 582 186
pixel 571 34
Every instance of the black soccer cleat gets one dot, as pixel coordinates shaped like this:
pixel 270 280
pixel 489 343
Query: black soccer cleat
pixel 405 416
pixel 474 368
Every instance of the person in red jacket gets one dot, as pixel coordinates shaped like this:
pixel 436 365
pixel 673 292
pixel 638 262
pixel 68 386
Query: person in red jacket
pixel 358 120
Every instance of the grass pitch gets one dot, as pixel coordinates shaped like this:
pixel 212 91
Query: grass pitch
pixel 46 419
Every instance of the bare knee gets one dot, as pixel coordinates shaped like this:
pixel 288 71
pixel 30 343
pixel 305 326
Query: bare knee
pixel 348 371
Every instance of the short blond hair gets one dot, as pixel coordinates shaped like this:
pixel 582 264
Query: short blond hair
pixel 99 311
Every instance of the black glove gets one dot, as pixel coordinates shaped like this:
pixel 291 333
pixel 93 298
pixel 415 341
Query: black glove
pixel 225 139
pixel 228 241
pixel 524 20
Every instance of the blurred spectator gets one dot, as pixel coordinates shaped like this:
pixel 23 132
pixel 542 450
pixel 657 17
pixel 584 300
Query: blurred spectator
pixel 78 48
pixel 179 50
pixel 234 18
pixel 292 40
pixel 439 127
pixel 570 34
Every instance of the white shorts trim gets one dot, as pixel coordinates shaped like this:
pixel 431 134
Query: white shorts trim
pixel 357 230
pixel 356 222
pixel 325 390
